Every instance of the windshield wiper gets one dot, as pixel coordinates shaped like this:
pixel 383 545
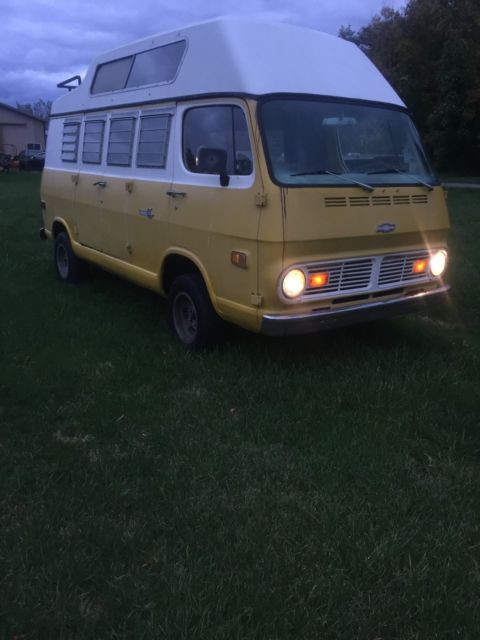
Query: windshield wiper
pixel 321 172
pixel 404 173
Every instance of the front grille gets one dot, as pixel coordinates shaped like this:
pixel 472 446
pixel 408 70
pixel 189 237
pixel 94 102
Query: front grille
pixel 345 276
pixel 397 269
pixel 369 274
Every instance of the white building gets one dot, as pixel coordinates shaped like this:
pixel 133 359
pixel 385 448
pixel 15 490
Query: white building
pixel 20 131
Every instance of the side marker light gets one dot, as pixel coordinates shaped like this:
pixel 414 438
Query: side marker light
pixel 239 259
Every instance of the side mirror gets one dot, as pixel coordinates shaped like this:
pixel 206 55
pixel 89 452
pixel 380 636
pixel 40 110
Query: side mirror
pixel 224 179
pixel 210 160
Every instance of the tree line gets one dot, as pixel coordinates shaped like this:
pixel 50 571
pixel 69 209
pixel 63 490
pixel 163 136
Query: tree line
pixel 430 52
pixel 40 109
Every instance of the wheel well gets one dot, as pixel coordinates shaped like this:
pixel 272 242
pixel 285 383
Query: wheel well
pixel 175 266
pixel 58 227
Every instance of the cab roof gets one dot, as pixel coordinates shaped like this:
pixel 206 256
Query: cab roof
pixel 245 57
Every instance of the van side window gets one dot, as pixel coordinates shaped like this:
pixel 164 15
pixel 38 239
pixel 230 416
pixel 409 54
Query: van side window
pixel 120 141
pixel 70 136
pixel 93 141
pixel 215 140
pixel 157 65
pixel 112 75
pixel 153 141
pixel 154 66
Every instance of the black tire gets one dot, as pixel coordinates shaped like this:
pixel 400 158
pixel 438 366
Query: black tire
pixel 69 268
pixel 191 315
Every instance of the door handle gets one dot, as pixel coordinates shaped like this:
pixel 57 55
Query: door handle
pixel 176 194
pixel 100 183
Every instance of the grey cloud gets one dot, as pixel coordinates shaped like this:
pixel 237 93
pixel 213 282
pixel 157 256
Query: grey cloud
pixel 45 41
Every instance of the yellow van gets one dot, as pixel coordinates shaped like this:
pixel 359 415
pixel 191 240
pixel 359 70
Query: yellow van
pixel 261 174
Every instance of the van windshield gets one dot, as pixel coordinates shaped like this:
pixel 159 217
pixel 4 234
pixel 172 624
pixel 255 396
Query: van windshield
pixel 320 142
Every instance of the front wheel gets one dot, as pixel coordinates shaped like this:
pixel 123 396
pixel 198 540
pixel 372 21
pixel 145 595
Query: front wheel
pixel 69 268
pixel 191 315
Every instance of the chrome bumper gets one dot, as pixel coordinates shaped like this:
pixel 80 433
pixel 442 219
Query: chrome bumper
pixel 288 325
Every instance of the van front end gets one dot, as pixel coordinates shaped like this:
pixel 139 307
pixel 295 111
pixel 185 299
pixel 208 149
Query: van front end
pixel 364 219
pixel 333 292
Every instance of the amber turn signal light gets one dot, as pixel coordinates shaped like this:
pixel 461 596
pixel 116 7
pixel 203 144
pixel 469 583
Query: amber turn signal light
pixel 420 266
pixel 316 280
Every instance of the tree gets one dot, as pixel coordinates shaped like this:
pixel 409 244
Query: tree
pixel 40 109
pixel 429 52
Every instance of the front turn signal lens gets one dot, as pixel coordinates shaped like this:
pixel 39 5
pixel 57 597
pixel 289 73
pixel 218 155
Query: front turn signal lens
pixel 317 280
pixel 293 283
pixel 420 266
pixel 438 263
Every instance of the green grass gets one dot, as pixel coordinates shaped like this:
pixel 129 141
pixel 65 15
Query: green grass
pixel 324 487
pixel 460 179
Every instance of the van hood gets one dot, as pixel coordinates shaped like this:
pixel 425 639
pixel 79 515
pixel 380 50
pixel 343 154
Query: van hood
pixel 343 222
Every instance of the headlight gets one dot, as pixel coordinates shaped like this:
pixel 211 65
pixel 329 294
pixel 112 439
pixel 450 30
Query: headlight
pixel 293 283
pixel 438 262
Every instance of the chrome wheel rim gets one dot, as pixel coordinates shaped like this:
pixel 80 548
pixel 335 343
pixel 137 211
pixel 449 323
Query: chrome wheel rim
pixel 185 318
pixel 62 261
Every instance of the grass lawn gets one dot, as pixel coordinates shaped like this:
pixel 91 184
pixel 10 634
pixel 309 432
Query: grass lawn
pixel 323 487
pixel 468 180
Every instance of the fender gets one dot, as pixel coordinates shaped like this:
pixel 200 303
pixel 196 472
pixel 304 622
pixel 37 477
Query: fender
pixel 64 223
pixel 246 317
pixel 185 253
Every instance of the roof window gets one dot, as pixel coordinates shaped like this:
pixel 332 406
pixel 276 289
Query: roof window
pixel 155 66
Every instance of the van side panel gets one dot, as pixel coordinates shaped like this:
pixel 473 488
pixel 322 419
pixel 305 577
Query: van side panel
pixel 148 236
pixel 59 181
pixel 146 201
pixel 213 221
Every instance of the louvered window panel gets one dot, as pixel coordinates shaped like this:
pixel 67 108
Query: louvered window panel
pixel 120 141
pixel 153 141
pixel 71 131
pixel 93 141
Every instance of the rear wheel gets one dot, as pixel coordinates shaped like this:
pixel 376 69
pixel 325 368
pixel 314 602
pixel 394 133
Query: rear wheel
pixel 69 268
pixel 191 315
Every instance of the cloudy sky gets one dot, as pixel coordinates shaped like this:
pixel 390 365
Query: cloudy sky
pixel 46 41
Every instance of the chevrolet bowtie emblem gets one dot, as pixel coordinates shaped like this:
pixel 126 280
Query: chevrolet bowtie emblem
pixel 386 227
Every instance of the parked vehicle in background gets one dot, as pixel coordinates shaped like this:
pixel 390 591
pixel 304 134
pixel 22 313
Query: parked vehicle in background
pixel 31 161
pixel 262 174
pixel 5 161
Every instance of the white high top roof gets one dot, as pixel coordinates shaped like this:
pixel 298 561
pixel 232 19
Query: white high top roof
pixel 231 55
